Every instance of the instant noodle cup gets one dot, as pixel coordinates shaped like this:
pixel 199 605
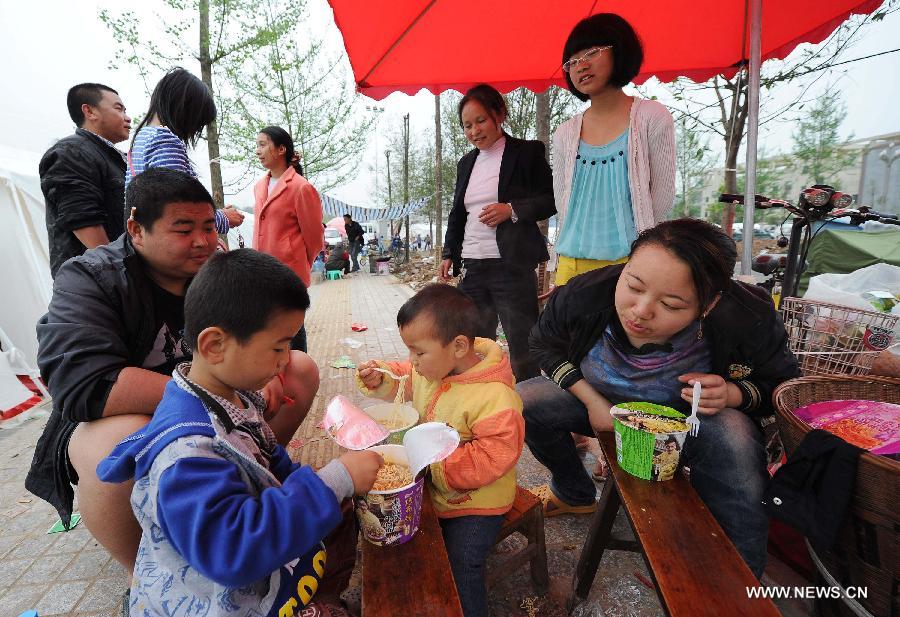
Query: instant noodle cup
pixel 395 418
pixel 649 439
pixel 391 517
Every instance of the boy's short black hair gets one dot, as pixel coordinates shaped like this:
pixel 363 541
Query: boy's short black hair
pixel 84 94
pixel 240 291
pixel 606 29
pixel 452 312
pixel 150 191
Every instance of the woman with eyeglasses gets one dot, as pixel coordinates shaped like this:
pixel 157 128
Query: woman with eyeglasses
pixel 504 186
pixel 614 164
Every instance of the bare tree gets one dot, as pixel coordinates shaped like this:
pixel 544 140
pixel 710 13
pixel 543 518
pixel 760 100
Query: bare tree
pixel 721 105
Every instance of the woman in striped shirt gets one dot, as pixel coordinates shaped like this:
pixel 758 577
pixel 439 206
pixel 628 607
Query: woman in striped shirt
pixel 613 164
pixel 181 106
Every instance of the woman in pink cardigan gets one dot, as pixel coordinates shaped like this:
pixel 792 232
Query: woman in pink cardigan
pixel 613 164
pixel 288 210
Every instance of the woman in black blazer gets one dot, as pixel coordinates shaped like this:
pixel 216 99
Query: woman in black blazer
pixel 503 188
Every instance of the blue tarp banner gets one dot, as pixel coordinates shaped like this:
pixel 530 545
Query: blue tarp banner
pixel 335 207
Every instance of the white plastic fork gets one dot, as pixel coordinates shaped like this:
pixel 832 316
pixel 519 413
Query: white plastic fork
pixel 389 373
pixel 693 421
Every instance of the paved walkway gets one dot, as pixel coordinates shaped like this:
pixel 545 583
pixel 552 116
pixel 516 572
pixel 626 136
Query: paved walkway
pixel 70 574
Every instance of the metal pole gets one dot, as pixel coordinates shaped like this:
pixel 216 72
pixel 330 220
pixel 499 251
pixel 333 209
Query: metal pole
pixel 406 177
pixel 752 132
pixel 438 239
pixel 387 155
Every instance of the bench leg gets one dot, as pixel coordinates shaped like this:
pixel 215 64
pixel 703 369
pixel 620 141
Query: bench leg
pixel 540 579
pixel 598 537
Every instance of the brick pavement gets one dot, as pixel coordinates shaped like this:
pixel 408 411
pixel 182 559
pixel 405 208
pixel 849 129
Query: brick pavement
pixel 70 574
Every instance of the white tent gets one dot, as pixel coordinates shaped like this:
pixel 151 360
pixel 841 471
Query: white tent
pixel 25 273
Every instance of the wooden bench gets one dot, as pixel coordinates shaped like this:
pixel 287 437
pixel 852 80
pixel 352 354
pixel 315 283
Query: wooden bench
pixel 412 579
pixel 696 568
pixel 527 517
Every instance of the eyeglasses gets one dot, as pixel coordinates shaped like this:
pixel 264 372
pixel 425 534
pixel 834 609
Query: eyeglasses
pixel 589 55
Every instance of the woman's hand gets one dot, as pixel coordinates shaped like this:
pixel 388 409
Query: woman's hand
pixel 596 404
pixel 600 418
pixel 370 377
pixel 495 214
pixel 716 393
pixel 234 216
pixel 444 269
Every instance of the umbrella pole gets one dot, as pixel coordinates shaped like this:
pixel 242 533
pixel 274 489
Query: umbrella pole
pixel 752 132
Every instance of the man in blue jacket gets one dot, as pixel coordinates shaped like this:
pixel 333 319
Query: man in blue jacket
pixel 112 335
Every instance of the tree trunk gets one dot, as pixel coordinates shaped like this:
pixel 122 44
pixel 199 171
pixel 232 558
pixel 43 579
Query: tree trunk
pixel 212 131
pixel 438 237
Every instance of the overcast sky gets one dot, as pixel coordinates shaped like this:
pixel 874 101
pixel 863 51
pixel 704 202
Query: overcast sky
pixel 48 46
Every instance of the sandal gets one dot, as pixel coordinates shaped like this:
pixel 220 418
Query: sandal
pixel 554 506
pixel 601 469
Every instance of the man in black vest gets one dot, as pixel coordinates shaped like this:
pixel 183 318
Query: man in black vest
pixel 83 175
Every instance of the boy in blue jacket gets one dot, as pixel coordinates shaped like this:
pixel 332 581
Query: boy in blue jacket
pixel 230 526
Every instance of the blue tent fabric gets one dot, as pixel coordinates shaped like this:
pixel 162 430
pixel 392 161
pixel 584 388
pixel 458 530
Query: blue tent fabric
pixel 335 207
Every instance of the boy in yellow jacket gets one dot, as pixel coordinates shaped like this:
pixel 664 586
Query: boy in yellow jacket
pixel 467 383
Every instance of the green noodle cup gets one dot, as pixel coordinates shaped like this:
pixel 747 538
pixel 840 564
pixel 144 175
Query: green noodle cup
pixel 647 455
pixel 391 517
pixel 384 412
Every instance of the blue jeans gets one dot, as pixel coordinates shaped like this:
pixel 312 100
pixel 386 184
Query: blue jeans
pixel 727 460
pixel 469 539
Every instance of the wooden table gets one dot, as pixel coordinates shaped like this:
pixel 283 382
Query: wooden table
pixel 696 568
pixel 412 579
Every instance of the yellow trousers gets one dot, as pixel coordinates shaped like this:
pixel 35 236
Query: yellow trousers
pixel 567 267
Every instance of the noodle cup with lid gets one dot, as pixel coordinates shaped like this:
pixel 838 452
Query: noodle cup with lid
pixel 649 439
pixel 391 517
pixel 397 423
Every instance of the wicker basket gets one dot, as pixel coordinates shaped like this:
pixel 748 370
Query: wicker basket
pixel 831 339
pixel 868 553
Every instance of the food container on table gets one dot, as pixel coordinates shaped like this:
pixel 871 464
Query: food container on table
pixel 391 517
pixel 383 413
pixel 649 439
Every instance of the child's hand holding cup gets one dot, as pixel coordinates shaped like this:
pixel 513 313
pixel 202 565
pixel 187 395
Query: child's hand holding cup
pixel 363 466
pixel 368 375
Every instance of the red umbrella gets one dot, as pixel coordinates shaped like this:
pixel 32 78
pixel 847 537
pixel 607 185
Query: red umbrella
pixel 407 45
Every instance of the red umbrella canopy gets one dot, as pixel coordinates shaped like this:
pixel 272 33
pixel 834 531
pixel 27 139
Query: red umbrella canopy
pixel 337 223
pixel 407 45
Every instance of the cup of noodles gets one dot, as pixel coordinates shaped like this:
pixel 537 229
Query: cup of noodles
pixel 389 513
pixel 396 418
pixel 649 439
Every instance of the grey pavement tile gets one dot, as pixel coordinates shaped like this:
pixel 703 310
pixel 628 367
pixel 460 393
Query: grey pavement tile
pixel 32 546
pixel 61 598
pixel 45 569
pixel 8 543
pixel 86 564
pixel 20 599
pixel 73 540
pixel 11 569
pixel 104 594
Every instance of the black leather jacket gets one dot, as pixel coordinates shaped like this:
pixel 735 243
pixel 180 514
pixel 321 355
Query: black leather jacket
pixel 527 183
pixel 100 321
pixel 747 337
pixel 83 181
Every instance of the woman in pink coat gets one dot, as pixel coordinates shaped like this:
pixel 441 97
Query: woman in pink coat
pixel 288 210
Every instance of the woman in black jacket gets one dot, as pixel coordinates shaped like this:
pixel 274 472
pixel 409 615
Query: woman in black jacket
pixel 646 331
pixel 503 188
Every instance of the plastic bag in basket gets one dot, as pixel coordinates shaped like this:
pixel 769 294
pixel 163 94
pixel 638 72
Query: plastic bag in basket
pixel 872 425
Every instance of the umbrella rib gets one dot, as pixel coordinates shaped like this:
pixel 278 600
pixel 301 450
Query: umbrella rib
pixel 557 70
pixel 397 41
